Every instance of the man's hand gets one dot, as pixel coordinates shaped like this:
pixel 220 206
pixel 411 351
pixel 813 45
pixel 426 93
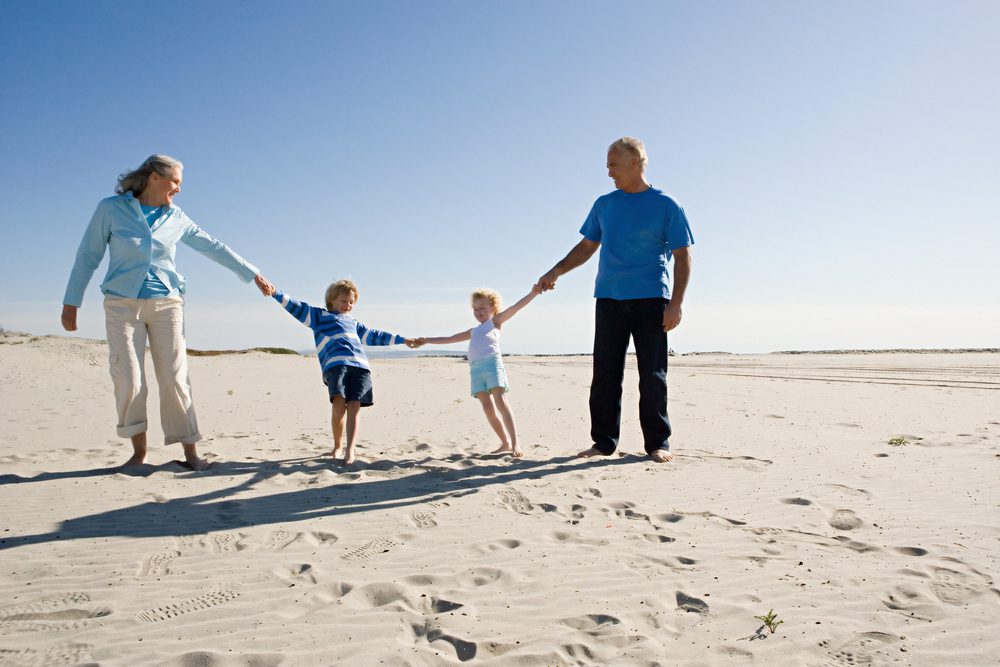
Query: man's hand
pixel 671 316
pixel 69 317
pixel 548 281
pixel 264 285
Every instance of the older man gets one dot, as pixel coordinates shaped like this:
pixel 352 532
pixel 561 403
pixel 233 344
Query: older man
pixel 638 230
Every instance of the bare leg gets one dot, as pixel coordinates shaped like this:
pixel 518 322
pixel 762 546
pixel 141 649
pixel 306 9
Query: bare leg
pixel 494 420
pixel 138 451
pixel 337 422
pixel 353 407
pixel 500 398
pixel 191 457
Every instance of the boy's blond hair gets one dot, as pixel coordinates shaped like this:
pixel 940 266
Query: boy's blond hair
pixel 489 295
pixel 338 288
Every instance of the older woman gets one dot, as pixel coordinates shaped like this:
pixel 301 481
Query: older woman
pixel 142 298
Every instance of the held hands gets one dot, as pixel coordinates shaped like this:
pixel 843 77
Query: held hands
pixel 547 282
pixel 414 343
pixel 263 284
pixel 69 317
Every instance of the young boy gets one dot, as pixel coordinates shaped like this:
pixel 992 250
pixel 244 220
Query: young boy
pixel 339 345
pixel 489 379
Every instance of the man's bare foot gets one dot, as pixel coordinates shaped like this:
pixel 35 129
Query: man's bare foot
pixel 589 453
pixel 661 456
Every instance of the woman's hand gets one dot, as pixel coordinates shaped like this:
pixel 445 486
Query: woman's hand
pixel 264 285
pixel 69 317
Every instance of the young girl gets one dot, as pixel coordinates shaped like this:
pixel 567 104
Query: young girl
pixel 489 380
pixel 339 345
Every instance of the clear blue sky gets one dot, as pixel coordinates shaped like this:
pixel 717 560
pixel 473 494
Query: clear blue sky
pixel 839 162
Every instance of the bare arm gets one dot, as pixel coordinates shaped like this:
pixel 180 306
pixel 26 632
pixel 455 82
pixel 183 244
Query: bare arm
pixel 682 274
pixel 580 253
pixel 508 313
pixel 444 340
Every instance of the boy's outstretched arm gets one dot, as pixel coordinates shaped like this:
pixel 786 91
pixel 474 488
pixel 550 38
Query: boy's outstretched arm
pixel 508 313
pixel 444 340
pixel 300 310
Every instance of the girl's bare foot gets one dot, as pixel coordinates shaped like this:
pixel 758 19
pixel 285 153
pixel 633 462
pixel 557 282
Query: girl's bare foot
pixel 514 451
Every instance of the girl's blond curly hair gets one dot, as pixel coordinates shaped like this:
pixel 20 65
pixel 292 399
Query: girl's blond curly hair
pixel 489 295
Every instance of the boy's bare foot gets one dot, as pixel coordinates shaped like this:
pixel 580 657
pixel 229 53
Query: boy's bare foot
pixel 661 456
pixel 589 453
pixel 514 451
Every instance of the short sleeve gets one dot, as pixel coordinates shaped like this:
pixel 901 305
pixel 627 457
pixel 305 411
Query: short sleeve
pixel 591 229
pixel 678 232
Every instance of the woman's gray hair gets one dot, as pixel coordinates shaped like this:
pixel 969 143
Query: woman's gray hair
pixel 135 181
pixel 632 146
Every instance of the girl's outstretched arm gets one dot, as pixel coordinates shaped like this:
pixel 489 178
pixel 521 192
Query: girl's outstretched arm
pixel 444 340
pixel 508 313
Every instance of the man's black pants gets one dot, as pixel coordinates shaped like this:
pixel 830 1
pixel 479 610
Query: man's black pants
pixel 615 322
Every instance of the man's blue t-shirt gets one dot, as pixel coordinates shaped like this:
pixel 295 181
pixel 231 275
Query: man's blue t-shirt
pixel 637 232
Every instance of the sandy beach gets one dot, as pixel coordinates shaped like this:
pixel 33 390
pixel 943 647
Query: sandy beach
pixel 785 495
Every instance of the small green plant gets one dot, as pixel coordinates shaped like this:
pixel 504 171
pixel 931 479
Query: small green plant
pixel 770 620
pixel 898 441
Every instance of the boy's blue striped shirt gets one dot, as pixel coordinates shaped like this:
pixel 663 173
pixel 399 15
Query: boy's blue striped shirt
pixel 338 337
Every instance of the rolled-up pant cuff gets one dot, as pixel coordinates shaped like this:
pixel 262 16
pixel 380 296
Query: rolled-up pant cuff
pixel 132 430
pixel 186 439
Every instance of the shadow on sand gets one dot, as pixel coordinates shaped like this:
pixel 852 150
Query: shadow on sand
pixel 221 510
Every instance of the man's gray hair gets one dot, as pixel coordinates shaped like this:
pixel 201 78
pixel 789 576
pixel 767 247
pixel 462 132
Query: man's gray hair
pixel 135 181
pixel 634 147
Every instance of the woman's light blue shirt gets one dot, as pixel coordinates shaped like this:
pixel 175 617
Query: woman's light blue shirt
pixel 138 249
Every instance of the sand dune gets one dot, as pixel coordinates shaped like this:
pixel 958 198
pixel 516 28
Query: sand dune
pixel 785 495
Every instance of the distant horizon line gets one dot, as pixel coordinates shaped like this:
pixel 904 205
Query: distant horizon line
pixel 379 353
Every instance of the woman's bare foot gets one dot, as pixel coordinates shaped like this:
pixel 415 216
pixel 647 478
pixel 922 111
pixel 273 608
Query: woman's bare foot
pixel 138 451
pixel 349 456
pixel 191 458
pixel 661 455
pixel 589 453
pixel 336 450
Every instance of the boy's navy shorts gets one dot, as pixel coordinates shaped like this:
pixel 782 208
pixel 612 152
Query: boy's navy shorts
pixel 351 382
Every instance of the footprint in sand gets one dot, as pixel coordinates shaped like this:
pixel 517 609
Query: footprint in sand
pixel 498 545
pixel 279 539
pixel 68 611
pixel 72 654
pixel 797 501
pixel 156 565
pixel 691 604
pixel 227 542
pixel 844 520
pixel 515 502
pixel 371 548
pixel 221 595
pixel 423 519
pixel 865 648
